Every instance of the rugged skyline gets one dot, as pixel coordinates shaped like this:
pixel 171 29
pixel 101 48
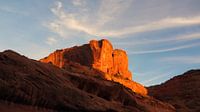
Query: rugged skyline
pixel 161 38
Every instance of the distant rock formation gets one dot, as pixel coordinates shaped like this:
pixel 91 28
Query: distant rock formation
pixel 29 85
pixel 182 91
pixel 98 55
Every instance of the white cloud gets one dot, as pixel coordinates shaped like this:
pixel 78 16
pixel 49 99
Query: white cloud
pixel 165 50
pixel 183 59
pixel 189 37
pixel 154 78
pixel 157 25
pixel 66 23
pixel 110 9
pixel 69 23
pixel 78 2
pixel 146 82
pixel 51 41
pixel 178 38
pixel 13 10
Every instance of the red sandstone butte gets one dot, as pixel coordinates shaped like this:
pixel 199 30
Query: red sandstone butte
pixel 100 56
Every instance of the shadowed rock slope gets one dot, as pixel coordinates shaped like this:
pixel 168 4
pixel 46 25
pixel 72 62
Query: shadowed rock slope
pixel 98 57
pixel 29 85
pixel 182 91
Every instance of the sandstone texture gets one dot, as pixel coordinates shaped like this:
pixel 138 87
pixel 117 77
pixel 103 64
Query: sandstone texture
pixel 29 85
pixel 100 57
pixel 182 91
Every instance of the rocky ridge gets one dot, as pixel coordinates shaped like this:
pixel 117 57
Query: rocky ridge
pixel 181 91
pixel 100 58
pixel 29 85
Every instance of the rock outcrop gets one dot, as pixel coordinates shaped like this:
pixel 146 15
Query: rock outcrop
pixel 98 56
pixel 181 91
pixel 29 85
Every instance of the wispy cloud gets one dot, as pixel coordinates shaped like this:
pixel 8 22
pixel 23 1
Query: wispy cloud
pixel 106 14
pixel 183 59
pixel 78 2
pixel 165 50
pixel 189 37
pixel 154 78
pixel 12 10
pixel 72 23
pixel 51 40
pixel 66 23
pixel 149 41
pixel 156 25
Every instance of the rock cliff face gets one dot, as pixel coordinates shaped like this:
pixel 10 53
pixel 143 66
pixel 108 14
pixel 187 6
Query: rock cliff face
pixel 98 56
pixel 181 91
pixel 108 60
pixel 29 85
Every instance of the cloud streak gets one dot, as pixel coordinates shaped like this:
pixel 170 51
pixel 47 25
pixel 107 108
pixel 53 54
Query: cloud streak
pixel 13 11
pixel 156 25
pixel 78 2
pixel 183 59
pixel 152 80
pixel 68 24
pixel 149 81
pixel 179 38
pixel 51 41
pixel 165 50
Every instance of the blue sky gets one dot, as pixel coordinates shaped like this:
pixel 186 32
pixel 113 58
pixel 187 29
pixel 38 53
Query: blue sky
pixel 161 37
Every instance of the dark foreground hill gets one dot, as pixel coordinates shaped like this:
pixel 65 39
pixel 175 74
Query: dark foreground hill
pixel 29 85
pixel 182 91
